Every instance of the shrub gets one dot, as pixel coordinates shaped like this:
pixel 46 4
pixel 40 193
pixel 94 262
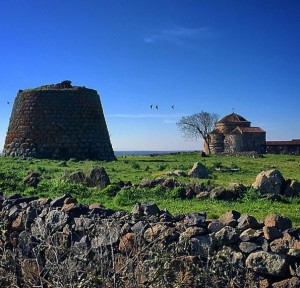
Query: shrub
pixel 110 190
pixel 162 167
pixel 251 195
pixel 136 165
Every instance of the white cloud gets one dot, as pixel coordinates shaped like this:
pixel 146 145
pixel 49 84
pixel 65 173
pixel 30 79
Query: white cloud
pixel 178 35
pixel 145 116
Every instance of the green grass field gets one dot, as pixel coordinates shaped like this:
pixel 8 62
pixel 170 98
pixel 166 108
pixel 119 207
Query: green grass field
pixel 135 168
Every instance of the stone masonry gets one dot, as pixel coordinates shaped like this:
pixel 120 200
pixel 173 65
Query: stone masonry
pixel 58 121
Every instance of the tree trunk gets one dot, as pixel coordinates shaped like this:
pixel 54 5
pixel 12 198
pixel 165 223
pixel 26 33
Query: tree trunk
pixel 207 141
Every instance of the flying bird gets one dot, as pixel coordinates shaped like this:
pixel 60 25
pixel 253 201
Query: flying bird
pixel 156 106
pixel 173 106
pixel 7 102
pixel 151 106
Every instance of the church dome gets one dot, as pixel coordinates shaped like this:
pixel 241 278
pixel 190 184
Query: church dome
pixel 233 117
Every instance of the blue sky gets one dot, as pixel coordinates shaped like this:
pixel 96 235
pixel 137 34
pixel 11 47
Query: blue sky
pixel 194 54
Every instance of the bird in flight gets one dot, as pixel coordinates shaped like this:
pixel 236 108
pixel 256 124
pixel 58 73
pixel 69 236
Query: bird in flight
pixel 151 106
pixel 7 102
pixel 173 106
pixel 156 106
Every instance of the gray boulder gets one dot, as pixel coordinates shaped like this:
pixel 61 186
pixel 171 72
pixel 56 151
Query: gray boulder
pixel 292 188
pixel 268 263
pixel 270 181
pixel 199 171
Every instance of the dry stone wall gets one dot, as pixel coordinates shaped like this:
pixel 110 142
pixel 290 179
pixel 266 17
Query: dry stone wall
pixel 60 243
pixel 58 121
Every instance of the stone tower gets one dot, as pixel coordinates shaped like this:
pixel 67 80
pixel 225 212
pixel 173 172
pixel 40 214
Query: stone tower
pixel 58 121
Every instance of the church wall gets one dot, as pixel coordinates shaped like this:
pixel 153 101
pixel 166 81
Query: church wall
pixel 233 143
pixel 254 142
pixel 216 143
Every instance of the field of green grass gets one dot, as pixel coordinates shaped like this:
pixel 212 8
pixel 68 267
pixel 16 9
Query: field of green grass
pixel 136 168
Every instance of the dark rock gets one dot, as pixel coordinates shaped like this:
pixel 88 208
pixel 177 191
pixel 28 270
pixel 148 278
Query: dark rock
pixel 32 179
pixel 268 263
pixel 271 233
pixel 200 246
pixel 227 235
pixel 169 183
pixel 24 200
pixel 77 177
pixel 14 196
pixel 195 219
pixel 230 218
pixel 280 222
pixel 215 226
pixel 139 227
pixel 162 232
pixel 98 178
pixel 246 222
pixel 279 246
pixel 248 247
pixel 55 221
pixel 192 231
pixel 250 234
pixel 150 208
pixel 147 208
pixel 220 193
pixel 109 236
pixel 292 188
pixel 59 201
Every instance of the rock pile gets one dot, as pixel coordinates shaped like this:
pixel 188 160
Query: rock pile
pixel 60 243
pixel 273 182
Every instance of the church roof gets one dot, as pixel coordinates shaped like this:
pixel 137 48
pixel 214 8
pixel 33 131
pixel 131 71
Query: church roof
pixel 281 143
pixel 233 117
pixel 248 130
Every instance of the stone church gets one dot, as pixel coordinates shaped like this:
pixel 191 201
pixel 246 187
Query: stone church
pixel 233 134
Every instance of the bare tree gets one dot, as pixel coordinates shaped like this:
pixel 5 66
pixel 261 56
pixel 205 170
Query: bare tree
pixel 198 126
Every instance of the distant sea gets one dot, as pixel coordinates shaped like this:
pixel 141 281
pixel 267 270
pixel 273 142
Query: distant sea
pixel 147 152
pixel 141 153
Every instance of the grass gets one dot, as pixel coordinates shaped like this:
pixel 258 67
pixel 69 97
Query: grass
pixel 135 168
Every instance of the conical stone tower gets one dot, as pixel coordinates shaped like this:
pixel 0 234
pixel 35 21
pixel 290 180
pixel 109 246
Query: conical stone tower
pixel 58 121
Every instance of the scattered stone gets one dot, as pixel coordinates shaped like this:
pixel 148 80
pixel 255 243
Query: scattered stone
pixel 199 171
pixel 270 181
pixel 292 188
pixel 98 178
pixel 220 193
pixel 32 179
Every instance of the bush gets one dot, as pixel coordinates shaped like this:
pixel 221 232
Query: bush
pixel 162 167
pixel 251 195
pixel 110 190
